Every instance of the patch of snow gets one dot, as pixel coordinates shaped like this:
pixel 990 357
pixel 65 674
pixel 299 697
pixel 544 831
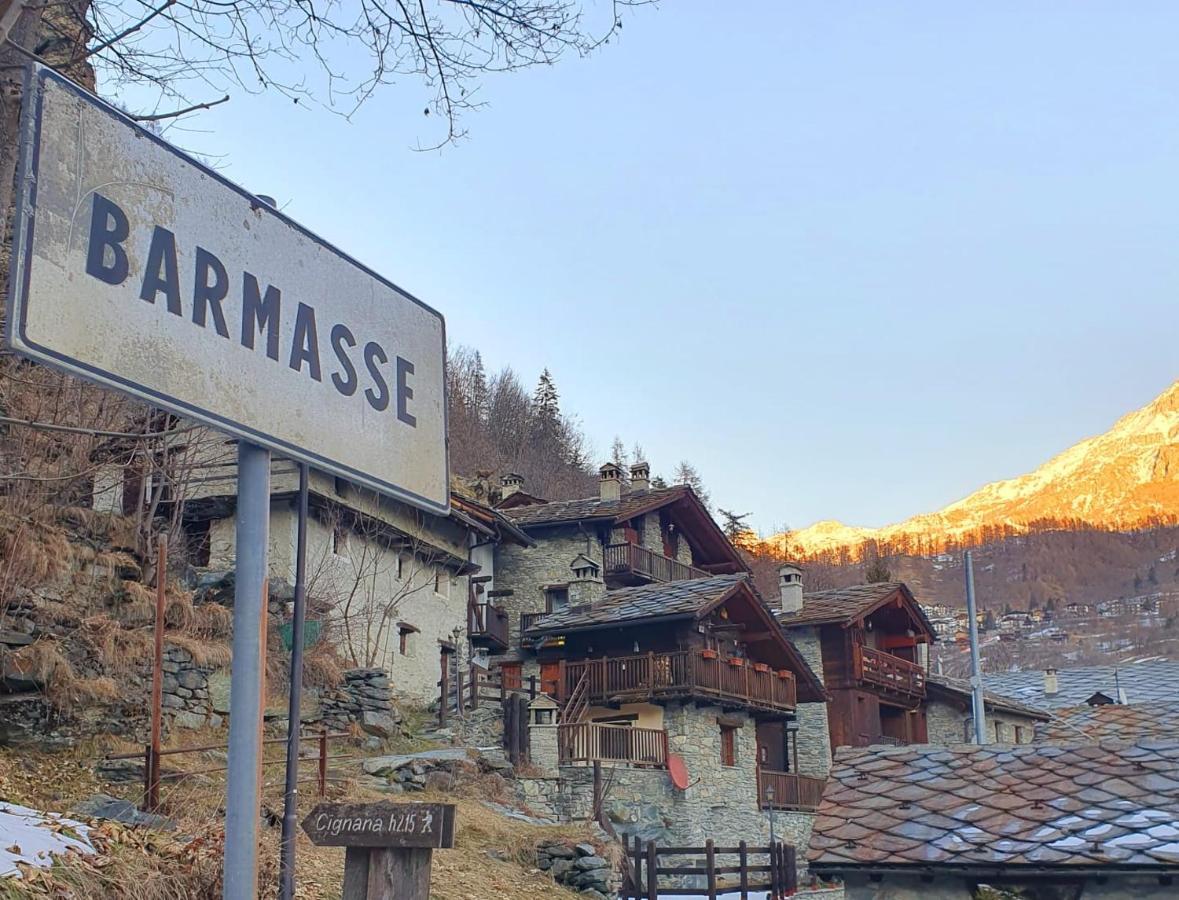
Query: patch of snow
pixel 29 836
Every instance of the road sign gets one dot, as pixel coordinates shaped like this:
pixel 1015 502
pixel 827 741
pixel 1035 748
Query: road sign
pixel 381 824
pixel 139 268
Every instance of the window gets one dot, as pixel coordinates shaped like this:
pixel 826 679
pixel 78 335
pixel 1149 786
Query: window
pixel 1019 734
pixel 555 598
pixel 728 745
pixel 441 583
pixel 400 567
pixel 404 630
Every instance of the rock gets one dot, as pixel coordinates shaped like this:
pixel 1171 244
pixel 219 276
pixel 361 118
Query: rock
pixel 379 723
pixel 191 679
pixel 586 849
pixel 219 692
pixel 440 781
pixel 560 851
pixel 587 863
pixel 560 868
pixel 103 806
pixel 186 719
pixel 383 765
pixel 594 894
pixel 120 770
pixel 172 701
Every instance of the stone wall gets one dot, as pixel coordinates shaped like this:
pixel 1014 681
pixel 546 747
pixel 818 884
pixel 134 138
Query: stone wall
pixel 948 723
pixel 186 691
pixel 814 737
pixel 525 571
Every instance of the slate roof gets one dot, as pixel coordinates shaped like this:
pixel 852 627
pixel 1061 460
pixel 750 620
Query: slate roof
pixel 593 507
pixel 1112 722
pixel 960 688
pixel 842 605
pixel 1144 682
pixel 648 601
pixel 1036 805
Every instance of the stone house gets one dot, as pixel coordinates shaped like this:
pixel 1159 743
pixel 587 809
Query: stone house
pixel 634 613
pixel 392 586
pixel 1064 821
pixel 871 643
pixel 949 717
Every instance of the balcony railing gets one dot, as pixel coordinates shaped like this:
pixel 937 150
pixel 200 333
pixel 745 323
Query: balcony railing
pixel 682 673
pixel 785 790
pixel 889 672
pixel 488 625
pixel 587 742
pixel 528 619
pixel 631 559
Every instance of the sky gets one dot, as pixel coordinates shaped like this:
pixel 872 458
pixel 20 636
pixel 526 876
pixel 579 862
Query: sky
pixel 851 260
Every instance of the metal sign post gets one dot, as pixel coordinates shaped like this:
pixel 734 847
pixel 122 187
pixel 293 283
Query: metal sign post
pixel 976 686
pixel 389 845
pixel 245 699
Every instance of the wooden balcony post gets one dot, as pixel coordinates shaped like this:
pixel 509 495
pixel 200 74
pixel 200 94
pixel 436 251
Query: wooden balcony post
pixel 650 674
pixel 561 692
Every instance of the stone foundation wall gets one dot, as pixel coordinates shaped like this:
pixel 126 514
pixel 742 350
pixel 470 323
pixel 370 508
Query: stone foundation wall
pixel 814 736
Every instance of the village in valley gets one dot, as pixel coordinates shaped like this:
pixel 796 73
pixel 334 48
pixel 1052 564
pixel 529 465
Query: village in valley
pixel 299 598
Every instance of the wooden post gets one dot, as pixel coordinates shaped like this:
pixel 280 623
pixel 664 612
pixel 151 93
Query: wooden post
pixel 390 846
pixel 652 871
pixel 638 870
pixel 791 861
pixel 650 674
pixel 152 801
pixel 560 698
pixel 743 851
pixel 474 688
pixel 775 879
pixel 522 724
pixel 710 857
pixel 598 791
pixel 322 762
pixel 531 687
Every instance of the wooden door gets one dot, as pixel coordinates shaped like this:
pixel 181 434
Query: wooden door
pixel 771 746
pixel 550 676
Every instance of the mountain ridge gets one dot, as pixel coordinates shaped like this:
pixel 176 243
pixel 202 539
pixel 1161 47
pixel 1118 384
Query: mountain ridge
pixel 1123 478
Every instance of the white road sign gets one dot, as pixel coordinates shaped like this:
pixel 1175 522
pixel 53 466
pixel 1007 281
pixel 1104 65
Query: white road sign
pixel 139 268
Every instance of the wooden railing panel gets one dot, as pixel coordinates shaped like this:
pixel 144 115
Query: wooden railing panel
pixel 788 790
pixel 622 558
pixel 890 672
pixel 587 742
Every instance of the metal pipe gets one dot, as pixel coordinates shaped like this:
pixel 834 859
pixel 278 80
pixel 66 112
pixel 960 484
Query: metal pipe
pixel 241 800
pixel 291 795
pixel 976 685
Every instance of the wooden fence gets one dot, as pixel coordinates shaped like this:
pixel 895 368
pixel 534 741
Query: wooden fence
pixel 647 879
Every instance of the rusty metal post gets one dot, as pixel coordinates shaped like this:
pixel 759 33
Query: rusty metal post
pixel 322 763
pixel 157 677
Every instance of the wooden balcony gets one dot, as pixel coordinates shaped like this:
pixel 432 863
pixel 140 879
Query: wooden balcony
pixel 487 626
pixel 646 565
pixel 682 674
pixel 889 673
pixel 588 742
pixel 527 620
pixel 785 790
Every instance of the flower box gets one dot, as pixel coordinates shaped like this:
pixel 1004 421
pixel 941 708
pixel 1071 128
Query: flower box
pixel 760 667
pixel 709 654
pixel 784 674
pixel 736 661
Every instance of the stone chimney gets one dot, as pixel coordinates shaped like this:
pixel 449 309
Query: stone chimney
pixel 512 483
pixel 586 586
pixel 640 477
pixel 790 587
pixel 610 482
pixel 1051 685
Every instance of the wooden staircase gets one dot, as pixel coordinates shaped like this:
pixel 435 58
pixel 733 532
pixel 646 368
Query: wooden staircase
pixel 576 706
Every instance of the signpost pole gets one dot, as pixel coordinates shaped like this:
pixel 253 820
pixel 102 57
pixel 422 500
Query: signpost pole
pixel 291 798
pixel 241 802
pixel 976 685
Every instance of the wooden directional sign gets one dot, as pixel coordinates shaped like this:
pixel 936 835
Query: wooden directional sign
pixel 382 824
pixel 389 845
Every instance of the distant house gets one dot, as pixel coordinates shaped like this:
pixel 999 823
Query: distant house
pixel 1141 682
pixel 950 719
pixel 1092 820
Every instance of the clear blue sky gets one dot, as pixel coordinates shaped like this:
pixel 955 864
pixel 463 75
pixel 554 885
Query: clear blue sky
pixel 852 260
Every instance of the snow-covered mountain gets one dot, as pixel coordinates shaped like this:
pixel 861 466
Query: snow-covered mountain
pixel 1126 477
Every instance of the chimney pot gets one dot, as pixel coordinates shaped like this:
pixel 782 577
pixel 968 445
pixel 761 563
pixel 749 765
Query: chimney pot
pixel 511 483
pixel 1051 684
pixel 610 482
pixel 790 588
pixel 640 477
